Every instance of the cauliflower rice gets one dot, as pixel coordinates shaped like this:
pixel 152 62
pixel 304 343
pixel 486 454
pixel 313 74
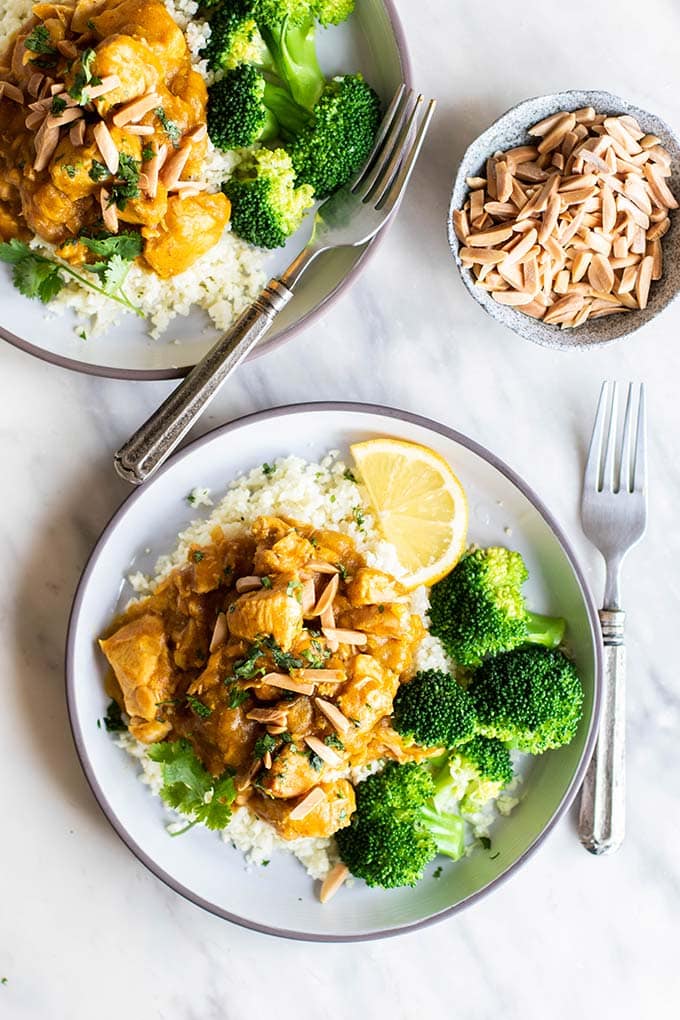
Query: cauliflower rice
pixel 222 282
pixel 325 496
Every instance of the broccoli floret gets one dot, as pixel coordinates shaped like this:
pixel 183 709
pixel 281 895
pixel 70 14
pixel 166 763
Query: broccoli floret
pixel 396 829
pixel 474 774
pixel 235 38
pixel 267 207
pixel 339 135
pixel 333 12
pixel 531 698
pixel 242 108
pixel 478 609
pixel 434 711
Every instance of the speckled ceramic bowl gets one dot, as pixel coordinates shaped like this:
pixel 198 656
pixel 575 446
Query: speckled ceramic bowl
pixel 510 130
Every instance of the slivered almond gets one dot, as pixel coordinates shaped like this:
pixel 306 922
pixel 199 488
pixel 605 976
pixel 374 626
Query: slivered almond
pixel 250 583
pixel 644 279
pixel 321 567
pixel 657 230
pixel 77 134
pixel 483 256
pixel 660 189
pixel 563 309
pixel 522 246
pixel 35 84
pixel 308 597
pixel 286 683
pixel 174 167
pixel 543 127
pixel 475 182
pixel 267 759
pixel 600 273
pixel 554 137
pixel 107 147
pixel 503 181
pixel 220 632
pixel 268 716
pixel 338 721
pixel 654 249
pixel 109 211
pixel 139 129
pixel 152 170
pixel 197 134
pixel 550 217
pixel 323 751
pixel 307 804
pixel 108 84
pixel 10 91
pixel 477 199
pixel 561 282
pixel 579 265
pixel 514 298
pixel 344 637
pixel 461 225
pixel 628 279
pixel 320 676
pixel 586 115
pixel 34 120
pixel 333 882
pixel 46 142
pixel 133 111
pixel 327 596
pixel 488 238
pixel 68 116
pixel 531 173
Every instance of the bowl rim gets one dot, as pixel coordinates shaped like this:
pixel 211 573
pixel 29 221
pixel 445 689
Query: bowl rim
pixel 307 320
pixel 350 408
pixel 556 344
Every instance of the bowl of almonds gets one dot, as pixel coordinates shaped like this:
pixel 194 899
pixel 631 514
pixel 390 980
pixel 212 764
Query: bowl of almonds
pixel 563 218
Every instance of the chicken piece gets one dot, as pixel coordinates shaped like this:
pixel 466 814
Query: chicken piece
pixel 9 223
pixel 135 64
pixel 300 716
pixel 84 12
pixel 145 210
pixel 368 696
pixel 192 227
pixel 268 611
pixel 225 738
pixel 382 620
pixel 138 655
pixel 333 813
pixel 294 771
pixel 149 732
pixel 52 214
pixel 287 555
pixel 60 13
pixel 334 547
pixel 147 20
pixel 396 654
pixel 370 587
pixel 70 166
pixel 385 742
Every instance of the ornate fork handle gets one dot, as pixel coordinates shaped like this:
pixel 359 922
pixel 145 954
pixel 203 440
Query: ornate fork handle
pixel 602 817
pixel 160 434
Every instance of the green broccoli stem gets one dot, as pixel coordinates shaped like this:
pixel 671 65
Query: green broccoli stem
pixel 284 112
pixel 448 831
pixel 293 50
pixel 545 630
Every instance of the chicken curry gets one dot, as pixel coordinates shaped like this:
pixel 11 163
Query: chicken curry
pixel 103 129
pixel 276 655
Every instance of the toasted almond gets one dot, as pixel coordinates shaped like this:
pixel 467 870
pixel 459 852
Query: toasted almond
pixel 307 804
pixel 638 193
pixel 108 84
pixel 586 115
pixel 35 83
pixel 109 211
pixel 107 147
pixel 327 596
pixel 543 127
pixel 482 256
pixel 629 301
pixel 77 134
pixel 520 248
pixel 132 112
pixel 514 298
pixel 286 683
pixel 520 154
pixel 267 759
pixel 197 134
pixel 654 249
pixel 563 309
pixel 320 676
pixel 534 309
pixel 308 597
pixel 491 177
pixel 561 284
pixel 34 120
pixel 174 166
pixel 68 116
pixel 152 170
pixel 488 238
pixel 250 583
pixel 321 567
pixel 531 173
pixel 344 637
pixel 649 141
pixel 220 632
pixel 644 280
pixel 554 137
pixel 46 142
pixel 139 129
pixel 333 882
pixel 477 199
pixel 461 225
pixel 475 182
pixel 620 248
pixel 628 279
pixel 601 313
pixel 579 266
pixel 657 230
pixel 600 273
pixel 660 189
pixel 503 181
pixel 10 91
pixel 617 130
pixel 338 721
pixel 550 217
pixel 268 716
pixel 323 751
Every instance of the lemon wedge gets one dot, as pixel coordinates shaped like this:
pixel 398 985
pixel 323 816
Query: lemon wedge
pixel 419 503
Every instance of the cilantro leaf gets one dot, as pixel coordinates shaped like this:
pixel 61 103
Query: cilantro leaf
pixel 198 707
pixel 189 788
pixel 40 41
pixel 113 720
pixel 128 245
pixel 37 278
pixel 171 129
pixel 264 744
pixel 98 171
pixel 14 251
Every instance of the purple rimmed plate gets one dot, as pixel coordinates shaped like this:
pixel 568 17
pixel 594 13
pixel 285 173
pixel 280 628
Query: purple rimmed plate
pixel 280 899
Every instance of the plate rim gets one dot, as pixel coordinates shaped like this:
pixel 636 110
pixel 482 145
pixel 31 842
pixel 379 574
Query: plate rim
pixel 307 320
pixel 352 408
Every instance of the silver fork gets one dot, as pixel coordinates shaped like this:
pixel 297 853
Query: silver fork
pixel 349 218
pixel 614 517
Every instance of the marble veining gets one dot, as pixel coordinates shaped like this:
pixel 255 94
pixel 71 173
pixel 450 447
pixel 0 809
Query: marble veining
pixel 84 930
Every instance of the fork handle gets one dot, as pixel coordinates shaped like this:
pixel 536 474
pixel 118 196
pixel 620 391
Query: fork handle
pixel 159 435
pixel 602 818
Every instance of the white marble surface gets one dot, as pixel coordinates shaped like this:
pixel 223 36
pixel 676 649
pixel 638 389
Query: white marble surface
pixel 85 931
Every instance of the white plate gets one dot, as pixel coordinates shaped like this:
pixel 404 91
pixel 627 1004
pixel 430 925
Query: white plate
pixel 371 41
pixel 280 899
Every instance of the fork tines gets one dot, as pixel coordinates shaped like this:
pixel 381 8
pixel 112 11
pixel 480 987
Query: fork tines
pixel 619 468
pixel 400 137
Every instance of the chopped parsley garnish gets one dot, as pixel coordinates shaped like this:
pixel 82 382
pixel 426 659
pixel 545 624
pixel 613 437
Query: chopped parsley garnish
pixel 343 571
pixel 349 475
pixel 198 707
pixel 98 171
pixel 113 720
pixel 59 104
pixel 247 668
pixel 381 608
pixel 90 24
pixel 294 590
pixel 189 788
pixel 40 41
pixel 266 581
pixel 191 498
pixel 494 856
pixel 282 660
pixel 264 863
pixel 198 556
pixel 82 334
pixel 358 515
pixel 236 694
pixel 485 842
pixel 333 740
pixel 148 152
pixel 268 469
pixel 264 744
pixel 127 183
pixel 36 276
pixel 316 654
pixel 437 872
pixel 171 129
pixel 84 77
pixel 315 761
